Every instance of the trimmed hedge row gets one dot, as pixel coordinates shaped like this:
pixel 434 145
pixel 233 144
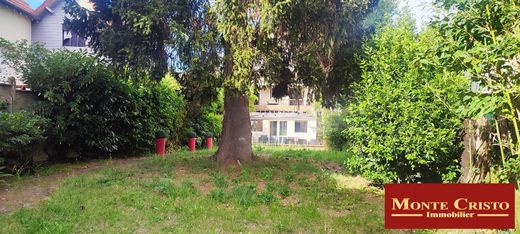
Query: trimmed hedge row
pixel 88 112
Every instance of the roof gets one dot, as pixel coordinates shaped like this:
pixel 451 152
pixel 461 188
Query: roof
pixel 24 7
pixel 45 4
pixel 20 5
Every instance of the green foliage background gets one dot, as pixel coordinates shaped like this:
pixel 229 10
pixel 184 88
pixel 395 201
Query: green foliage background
pixel 482 41
pixel 159 106
pixel 400 125
pixel 209 120
pixel 334 126
pixel 91 112
pixel 20 132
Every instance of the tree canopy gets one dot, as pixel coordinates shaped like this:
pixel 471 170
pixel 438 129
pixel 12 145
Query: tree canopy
pixel 279 43
pixel 237 45
pixel 482 41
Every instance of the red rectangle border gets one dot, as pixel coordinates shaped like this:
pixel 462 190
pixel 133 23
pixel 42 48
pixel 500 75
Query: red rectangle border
pixel 449 206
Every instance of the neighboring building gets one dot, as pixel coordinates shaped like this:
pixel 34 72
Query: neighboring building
pixel 15 24
pixel 15 20
pixel 45 25
pixel 289 120
pixel 49 30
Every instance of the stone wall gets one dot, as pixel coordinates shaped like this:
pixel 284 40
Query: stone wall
pixel 18 98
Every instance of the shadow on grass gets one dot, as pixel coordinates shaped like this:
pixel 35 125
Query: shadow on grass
pixel 186 192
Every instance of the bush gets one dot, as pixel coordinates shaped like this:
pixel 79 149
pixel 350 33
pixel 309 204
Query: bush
pixel 160 134
pixel 489 55
pixel 4 104
pixel 3 174
pixel 210 118
pixel 91 111
pixel 334 126
pixel 150 108
pixel 400 125
pixel 85 104
pixel 192 134
pixel 20 133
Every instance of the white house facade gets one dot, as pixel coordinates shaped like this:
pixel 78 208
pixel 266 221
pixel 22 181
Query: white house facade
pixel 288 120
pixel 15 25
pixel 48 28
pixel 15 21
pixel 44 25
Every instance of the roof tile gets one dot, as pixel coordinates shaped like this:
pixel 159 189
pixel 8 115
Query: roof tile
pixel 21 5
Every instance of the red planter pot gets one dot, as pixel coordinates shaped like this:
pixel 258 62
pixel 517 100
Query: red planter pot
pixel 160 146
pixel 209 142
pixel 191 144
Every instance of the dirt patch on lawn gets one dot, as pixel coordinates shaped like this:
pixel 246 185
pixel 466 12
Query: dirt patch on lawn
pixel 290 201
pixel 181 170
pixel 31 191
pixel 205 187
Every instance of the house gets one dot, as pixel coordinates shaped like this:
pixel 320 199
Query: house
pixel 44 25
pixel 49 30
pixel 15 24
pixel 288 120
pixel 16 18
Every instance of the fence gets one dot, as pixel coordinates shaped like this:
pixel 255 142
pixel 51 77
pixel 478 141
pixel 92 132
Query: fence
pixel 17 97
pixel 287 142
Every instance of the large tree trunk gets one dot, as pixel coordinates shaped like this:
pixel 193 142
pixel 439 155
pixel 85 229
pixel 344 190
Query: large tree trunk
pixel 235 140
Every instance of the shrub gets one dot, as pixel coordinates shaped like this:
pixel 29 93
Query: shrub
pixel 160 134
pixel 3 174
pixel 401 126
pixel 20 133
pixel 192 134
pixel 488 53
pixel 89 109
pixel 210 118
pixel 334 126
pixel 83 101
pixel 4 104
pixel 150 108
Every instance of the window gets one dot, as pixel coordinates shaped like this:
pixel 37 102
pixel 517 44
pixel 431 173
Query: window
pixel 295 93
pixel 274 128
pixel 295 96
pixel 283 128
pixel 72 39
pixel 257 125
pixel 300 126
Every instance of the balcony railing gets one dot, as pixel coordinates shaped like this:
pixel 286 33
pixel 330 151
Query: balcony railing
pixel 295 102
pixel 282 108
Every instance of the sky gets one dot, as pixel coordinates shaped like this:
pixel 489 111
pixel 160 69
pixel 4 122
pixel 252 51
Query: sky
pixel 421 9
pixel 34 3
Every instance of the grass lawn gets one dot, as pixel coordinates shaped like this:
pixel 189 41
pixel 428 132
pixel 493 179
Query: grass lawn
pixel 288 190
pixel 186 193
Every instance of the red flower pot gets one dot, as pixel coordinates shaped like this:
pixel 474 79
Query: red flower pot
pixel 209 142
pixel 160 146
pixel 191 144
